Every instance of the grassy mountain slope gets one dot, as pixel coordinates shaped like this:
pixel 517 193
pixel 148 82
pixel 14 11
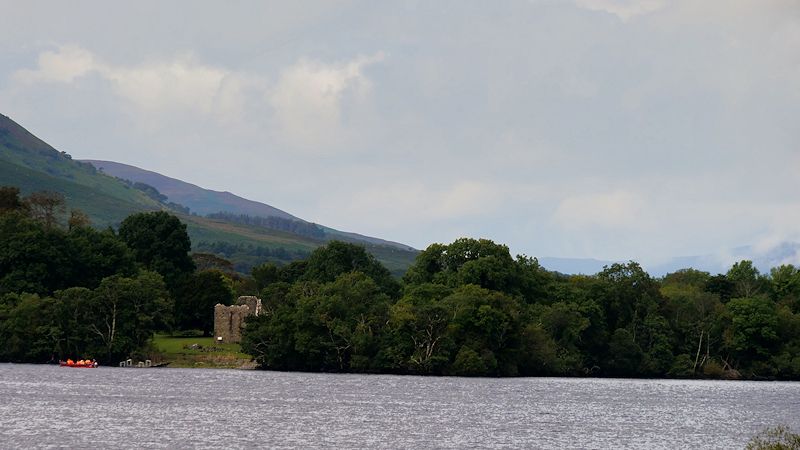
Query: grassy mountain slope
pixel 104 209
pixel 205 201
pixel 32 165
pixel 200 201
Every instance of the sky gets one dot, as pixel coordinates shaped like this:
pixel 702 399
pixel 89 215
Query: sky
pixel 607 129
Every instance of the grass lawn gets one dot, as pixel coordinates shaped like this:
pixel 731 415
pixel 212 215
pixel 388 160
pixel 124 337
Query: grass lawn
pixel 182 351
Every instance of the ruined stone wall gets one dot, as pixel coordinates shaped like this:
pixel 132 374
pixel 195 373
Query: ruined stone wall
pixel 252 302
pixel 229 320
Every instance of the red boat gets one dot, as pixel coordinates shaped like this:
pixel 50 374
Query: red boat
pixel 82 364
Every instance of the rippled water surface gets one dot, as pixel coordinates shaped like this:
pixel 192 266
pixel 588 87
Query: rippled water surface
pixel 45 406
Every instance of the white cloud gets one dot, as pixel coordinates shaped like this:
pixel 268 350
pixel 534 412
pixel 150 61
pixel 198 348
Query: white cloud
pixel 624 9
pixel 63 65
pixel 308 98
pixel 180 84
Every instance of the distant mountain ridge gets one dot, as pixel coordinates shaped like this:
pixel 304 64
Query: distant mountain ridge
pixel 199 200
pixel 763 259
pixel 205 201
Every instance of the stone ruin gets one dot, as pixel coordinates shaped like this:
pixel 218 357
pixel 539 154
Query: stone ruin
pixel 229 320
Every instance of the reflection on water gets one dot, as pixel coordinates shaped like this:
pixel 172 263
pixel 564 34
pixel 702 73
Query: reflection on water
pixel 105 407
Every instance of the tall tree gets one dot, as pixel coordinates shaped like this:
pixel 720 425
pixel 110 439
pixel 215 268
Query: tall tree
pixel 48 207
pixel 125 312
pixel 336 258
pixel 10 200
pixel 78 219
pixel 746 279
pixel 160 243
pixel 469 261
pixel 196 297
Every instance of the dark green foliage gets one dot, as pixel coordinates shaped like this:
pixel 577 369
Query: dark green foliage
pixel 722 286
pixel 195 299
pixel 754 330
pixel 470 309
pixel 26 328
pixel 334 326
pixel 746 279
pixel 469 363
pixel 124 312
pixel 467 261
pixel 265 274
pixel 77 292
pixel 159 243
pixel 624 354
pixel 38 259
pixel 31 257
pixel 336 258
pixel 419 325
pixel 95 255
pixel 107 323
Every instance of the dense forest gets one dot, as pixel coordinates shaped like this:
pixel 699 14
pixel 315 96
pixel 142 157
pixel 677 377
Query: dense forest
pixel 469 308
pixel 466 308
pixel 69 290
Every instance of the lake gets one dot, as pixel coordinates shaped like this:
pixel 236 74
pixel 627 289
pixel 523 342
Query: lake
pixel 45 406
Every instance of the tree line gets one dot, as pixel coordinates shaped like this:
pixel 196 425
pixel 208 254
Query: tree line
pixel 464 308
pixel 294 226
pixel 247 255
pixel 470 308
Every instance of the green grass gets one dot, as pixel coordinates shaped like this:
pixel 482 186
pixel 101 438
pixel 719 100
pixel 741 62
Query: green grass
pixel 178 351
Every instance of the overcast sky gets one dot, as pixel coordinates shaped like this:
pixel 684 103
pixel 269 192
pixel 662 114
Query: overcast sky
pixel 610 129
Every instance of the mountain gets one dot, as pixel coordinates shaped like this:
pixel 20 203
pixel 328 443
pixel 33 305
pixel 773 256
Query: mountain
pixel 32 165
pixel 205 201
pixel 198 200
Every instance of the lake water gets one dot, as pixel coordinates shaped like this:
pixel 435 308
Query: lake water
pixel 46 406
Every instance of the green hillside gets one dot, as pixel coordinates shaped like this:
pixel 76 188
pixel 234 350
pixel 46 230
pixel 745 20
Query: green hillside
pixel 207 202
pixel 202 229
pixel 32 165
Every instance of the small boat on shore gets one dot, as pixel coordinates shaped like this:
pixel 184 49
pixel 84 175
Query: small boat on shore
pixel 81 364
